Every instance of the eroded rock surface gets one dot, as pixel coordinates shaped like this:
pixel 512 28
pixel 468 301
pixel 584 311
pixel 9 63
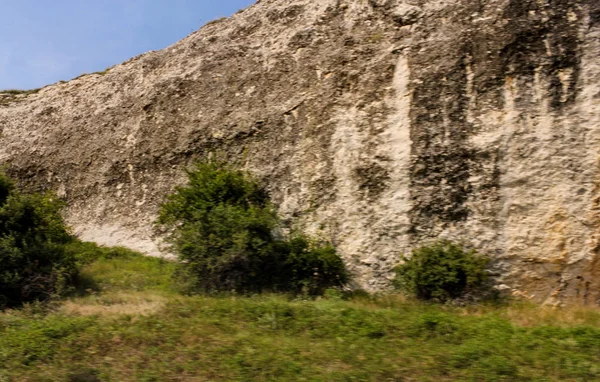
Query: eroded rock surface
pixel 377 124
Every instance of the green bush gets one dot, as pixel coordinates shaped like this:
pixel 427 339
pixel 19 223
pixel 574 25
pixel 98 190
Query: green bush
pixel 311 267
pixel 33 235
pixel 6 187
pixel 443 271
pixel 222 226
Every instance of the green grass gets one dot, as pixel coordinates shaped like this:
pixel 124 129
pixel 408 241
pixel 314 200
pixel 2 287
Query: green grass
pixel 130 324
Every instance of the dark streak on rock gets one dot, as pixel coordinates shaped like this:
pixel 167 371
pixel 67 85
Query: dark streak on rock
pixel 594 15
pixel 442 160
pixel 531 40
pixel 543 39
pixel 372 180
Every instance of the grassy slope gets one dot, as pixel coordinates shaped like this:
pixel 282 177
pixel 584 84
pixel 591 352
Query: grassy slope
pixel 130 325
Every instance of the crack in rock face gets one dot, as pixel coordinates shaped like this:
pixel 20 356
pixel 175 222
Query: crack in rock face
pixel 379 125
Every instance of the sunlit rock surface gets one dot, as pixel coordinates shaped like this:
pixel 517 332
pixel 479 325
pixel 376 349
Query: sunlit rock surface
pixel 378 125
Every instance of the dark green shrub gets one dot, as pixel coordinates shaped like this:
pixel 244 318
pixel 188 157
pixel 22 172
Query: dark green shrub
pixel 33 235
pixel 222 227
pixel 6 187
pixel 312 267
pixel 443 271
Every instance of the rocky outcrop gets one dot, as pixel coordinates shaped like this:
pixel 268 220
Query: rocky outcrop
pixel 377 124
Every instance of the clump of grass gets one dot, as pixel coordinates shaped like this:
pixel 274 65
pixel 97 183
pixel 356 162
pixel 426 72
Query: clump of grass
pixel 376 37
pixel 19 91
pixel 115 303
pixel 9 96
pixel 103 72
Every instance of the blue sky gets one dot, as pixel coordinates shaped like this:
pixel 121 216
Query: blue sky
pixel 44 41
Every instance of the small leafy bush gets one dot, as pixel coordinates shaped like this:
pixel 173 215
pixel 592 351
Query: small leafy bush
pixel 222 226
pixel 311 267
pixel 33 262
pixel 443 271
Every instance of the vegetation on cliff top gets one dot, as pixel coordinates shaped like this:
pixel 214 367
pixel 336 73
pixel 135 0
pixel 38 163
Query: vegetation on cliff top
pixel 9 96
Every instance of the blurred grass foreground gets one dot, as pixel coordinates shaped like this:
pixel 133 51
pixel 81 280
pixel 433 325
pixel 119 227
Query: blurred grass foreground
pixel 128 322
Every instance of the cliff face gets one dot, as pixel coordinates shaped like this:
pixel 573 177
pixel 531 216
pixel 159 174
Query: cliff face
pixel 377 124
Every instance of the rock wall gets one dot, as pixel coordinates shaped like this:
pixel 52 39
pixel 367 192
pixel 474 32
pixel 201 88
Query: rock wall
pixel 378 124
